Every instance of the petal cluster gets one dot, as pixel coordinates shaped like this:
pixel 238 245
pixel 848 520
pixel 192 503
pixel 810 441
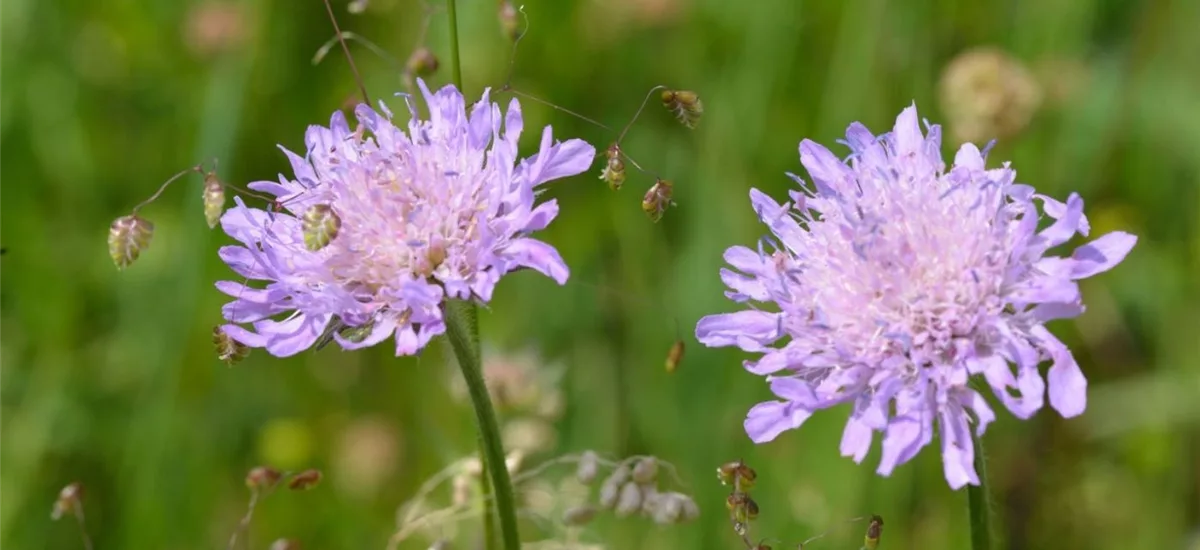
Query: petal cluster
pixel 412 216
pixel 894 280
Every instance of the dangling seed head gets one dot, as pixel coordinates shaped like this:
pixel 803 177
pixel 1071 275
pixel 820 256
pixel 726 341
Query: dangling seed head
pixel 461 489
pixel 651 498
pixel 509 20
pixel 691 511
pixel 579 515
pixel 614 168
pixel 68 499
pixel 357 6
pixel 674 356
pixel 305 480
pixel 228 350
pixel 214 199
pixel 685 105
pixel 320 226
pixel 609 492
pixel 657 199
pixel 741 507
pixel 645 470
pixel 669 509
pixel 128 236
pixel 422 62
pixel 262 477
pixel 589 465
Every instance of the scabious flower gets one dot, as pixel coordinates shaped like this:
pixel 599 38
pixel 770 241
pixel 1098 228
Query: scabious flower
pixel 440 211
pixel 895 281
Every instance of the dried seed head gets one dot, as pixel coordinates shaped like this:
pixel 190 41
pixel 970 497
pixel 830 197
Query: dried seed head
pixel 988 94
pixel 305 480
pixel 589 465
pixel 228 350
pixel 629 500
pixel 741 507
pixel 422 62
pixel 128 236
pixel 685 105
pixel 691 511
pixel 674 356
pixel 620 475
pixel 358 6
pixel 614 168
pixel 580 515
pixel 320 226
pixel 645 470
pixel 214 199
pixel 509 20
pixel 657 199
pixel 285 544
pixel 738 473
pixel 262 477
pixel 874 533
pixel 68 499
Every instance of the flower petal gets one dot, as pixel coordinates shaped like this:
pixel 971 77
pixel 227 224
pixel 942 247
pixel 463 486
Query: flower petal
pixel 730 329
pixel 538 256
pixel 766 421
pixel 1101 254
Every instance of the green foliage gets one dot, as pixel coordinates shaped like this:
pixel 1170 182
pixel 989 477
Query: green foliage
pixel 110 379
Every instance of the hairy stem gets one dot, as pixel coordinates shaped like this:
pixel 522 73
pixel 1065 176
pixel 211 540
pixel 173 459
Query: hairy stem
pixel 462 329
pixel 455 67
pixel 979 506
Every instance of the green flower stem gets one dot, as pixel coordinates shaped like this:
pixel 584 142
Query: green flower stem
pixel 462 329
pixel 455 67
pixel 979 504
pixel 485 495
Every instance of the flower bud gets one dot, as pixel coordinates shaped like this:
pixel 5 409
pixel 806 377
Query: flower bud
pixel 685 105
pixel 509 20
pixel 228 350
pixel 620 475
pixel 614 168
pixel 651 499
pixel 262 477
pixel 674 356
pixel 422 62
pixel 320 225
pixel 305 480
pixel 987 94
pixel 645 470
pixel 68 499
pixel 214 199
pixel 579 515
pixel 128 236
pixel 691 511
pixel 657 199
pixel 629 501
pixel 589 465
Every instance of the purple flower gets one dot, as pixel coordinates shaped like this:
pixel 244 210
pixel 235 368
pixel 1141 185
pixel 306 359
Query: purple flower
pixel 895 281
pixel 440 211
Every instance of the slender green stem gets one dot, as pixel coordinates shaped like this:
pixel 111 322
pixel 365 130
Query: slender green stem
pixel 455 67
pixel 462 329
pixel 485 495
pixel 979 504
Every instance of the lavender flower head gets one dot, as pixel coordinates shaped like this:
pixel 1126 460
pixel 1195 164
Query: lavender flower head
pixel 440 211
pixel 895 280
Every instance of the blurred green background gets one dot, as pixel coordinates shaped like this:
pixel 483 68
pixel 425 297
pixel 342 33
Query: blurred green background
pixel 109 378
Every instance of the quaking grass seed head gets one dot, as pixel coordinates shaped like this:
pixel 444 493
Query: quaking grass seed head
pixel 614 168
pixel 509 19
pixel 320 226
pixel 262 477
pixel 228 350
pixel 685 105
pixel 657 199
pixel 305 480
pixel 128 236
pixel 422 62
pixel 214 199
pixel 68 499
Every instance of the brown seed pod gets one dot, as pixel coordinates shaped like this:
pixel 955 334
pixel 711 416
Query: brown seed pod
pixel 262 477
pixel 214 199
pixel 509 20
pixel 674 356
pixel 68 499
pixel 422 62
pixel 614 168
pixel 874 533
